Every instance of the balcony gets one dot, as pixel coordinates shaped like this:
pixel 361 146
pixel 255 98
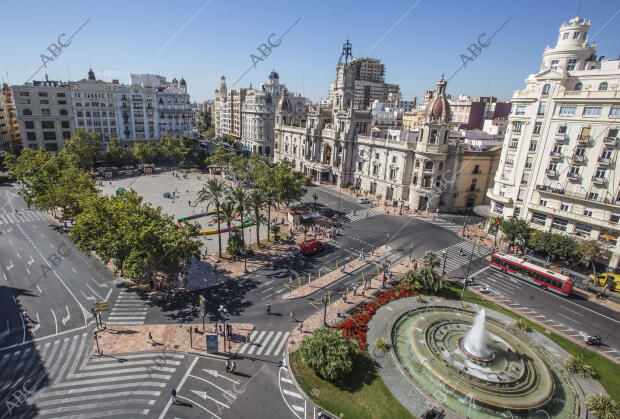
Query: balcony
pixel 555 155
pixel 598 180
pixel 584 139
pixel 578 158
pixel 573 176
pixel 551 172
pixel 498 198
pixel 560 136
pixel 610 141
pixel 604 161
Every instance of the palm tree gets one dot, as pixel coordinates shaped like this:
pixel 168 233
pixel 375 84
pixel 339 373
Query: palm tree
pixel 430 259
pixel 213 193
pixel 256 200
pixel 228 212
pixel 271 196
pixel 239 198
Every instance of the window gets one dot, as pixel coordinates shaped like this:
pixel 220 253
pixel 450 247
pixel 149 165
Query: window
pixel 559 224
pixel 553 167
pixel 539 218
pixel 521 195
pixel 392 173
pixel 613 133
pixel 555 63
pixel 433 138
pixel 546 88
pixel 614 217
pixel 29 112
pixel 60 95
pixel 360 165
pixel 571 66
pixel 49 135
pixel 600 173
pixel 614 113
pixel 516 126
pixel 517 211
pixel 29 124
pixel 588 212
pixel 565 206
pixel 415 179
pixel 510 162
pixel 42 94
pixel 543 202
pixel 65 124
pixel 574 171
pixel 592 111
pixel 566 34
pixel 47 124
pixel 375 169
pixel 525 179
pixel 476 169
pixel 520 110
pixel 583 228
pixel 603 86
pixel 537 127
pixel 66 135
pixel 44 102
pixel 606 154
pixel 557 149
pixel 63 112
pixel 376 155
pixel 568 110
pixel 24 94
pixel 499 207
pixel 45 112
pixel 542 108
pixel 593 195
pixel 31 136
pixel 529 162
pixel 533 145
pixel 393 159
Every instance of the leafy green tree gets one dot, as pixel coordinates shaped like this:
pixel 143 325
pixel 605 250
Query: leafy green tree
pixel 577 365
pixel 431 260
pixel 590 250
pixel 288 182
pixel 146 152
pixel 603 406
pixel 275 229
pixel 255 202
pixel 429 280
pixel 239 198
pixel 516 231
pixel 214 193
pixel 71 191
pixel 235 242
pixel 553 243
pixel 330 354
pixel 228 212
pixel 114 154
pixel 85 146
pixel 210 132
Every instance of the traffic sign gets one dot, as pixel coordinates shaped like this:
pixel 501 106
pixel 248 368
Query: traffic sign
pixel 203 304
pixel 100 306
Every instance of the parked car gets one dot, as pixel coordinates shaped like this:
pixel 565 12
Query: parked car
pixel 167 195
pixel 363 201
pixel 311 247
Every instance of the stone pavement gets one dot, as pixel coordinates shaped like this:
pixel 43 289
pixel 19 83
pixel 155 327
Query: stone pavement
pixel 335 275
pixel 338 309
pixel 166 337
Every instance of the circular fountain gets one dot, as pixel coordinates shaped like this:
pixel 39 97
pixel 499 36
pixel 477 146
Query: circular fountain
pixel 478 366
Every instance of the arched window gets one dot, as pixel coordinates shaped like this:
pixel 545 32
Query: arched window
pixel 546 88
pixel 428 165
pixel 63 112
pixel 27 112
pixel 578 86
pixel 602 86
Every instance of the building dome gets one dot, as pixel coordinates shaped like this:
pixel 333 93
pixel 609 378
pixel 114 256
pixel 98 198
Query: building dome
pixel 273 75
pixel 174 80
pixel 284 104
pixel 183 83
pixel 438 108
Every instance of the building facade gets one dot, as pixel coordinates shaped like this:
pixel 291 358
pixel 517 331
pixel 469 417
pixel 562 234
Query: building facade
pixel 559 163
pixel 147 110
pixel 10 138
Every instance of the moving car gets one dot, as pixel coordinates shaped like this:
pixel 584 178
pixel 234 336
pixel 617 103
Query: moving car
pixel 603 280
pixel 311 247
pixel 363 201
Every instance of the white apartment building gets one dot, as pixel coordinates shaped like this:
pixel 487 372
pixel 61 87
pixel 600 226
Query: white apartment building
pixel 258 116
pixel 385 117
pixel 559 162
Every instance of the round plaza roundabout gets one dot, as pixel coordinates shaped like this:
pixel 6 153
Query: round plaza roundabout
pixel 457 358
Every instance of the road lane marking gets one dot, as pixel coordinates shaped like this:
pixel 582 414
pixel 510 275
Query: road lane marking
pixel 566 317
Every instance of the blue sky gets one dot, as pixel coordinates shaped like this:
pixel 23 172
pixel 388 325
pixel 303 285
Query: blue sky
pixel 416 40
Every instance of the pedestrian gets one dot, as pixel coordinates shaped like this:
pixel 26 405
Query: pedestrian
pixel 110 183
pixel 372 252
pixel 233 367
pixel 391 275
pixel 460 252
pixel 173 393
pixel 342 269
pixel 301 326
pixel 292 316
pixel 220 330
pixel 355 289
pixel 229 332
pixel 247 338
pixel 228 365
pixel 344 297
pixel 268 308
pixel 150 338
pixel 415 266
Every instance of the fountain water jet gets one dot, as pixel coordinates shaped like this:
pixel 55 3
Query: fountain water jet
pixel 475 342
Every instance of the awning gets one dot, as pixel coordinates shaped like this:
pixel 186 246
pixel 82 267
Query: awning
pixel 309 215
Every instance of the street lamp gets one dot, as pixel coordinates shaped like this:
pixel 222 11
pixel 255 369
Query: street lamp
pixel 324 301
pixel 445 256
pixel 410 251
pixel 387 239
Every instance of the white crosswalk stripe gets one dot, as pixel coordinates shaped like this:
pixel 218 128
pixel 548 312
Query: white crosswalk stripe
pixel 458 255
pixel 443 223
pixel 359 215
pixel 290 394
pixel 23 216
pixel 129 309
pixel 66 380
pixel 265 343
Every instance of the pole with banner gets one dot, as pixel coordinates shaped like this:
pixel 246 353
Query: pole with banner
pixel 203 304
pixel 98 308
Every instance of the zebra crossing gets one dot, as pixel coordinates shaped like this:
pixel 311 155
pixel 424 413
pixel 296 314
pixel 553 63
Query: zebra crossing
pixel 265 343
pixel 359 215
pixel 442 223
pixel 23 216
pixel 293 399
pixel 458 255
pixel 60 379
pixel 129 309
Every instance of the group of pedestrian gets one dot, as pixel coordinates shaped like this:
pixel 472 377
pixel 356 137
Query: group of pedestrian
pixel 231 366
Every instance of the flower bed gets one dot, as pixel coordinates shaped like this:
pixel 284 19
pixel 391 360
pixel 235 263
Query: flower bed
pixel 356 326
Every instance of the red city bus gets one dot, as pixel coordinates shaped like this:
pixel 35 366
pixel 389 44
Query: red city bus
pixel 544 278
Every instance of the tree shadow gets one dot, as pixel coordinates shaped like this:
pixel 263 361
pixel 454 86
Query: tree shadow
pixel 363 374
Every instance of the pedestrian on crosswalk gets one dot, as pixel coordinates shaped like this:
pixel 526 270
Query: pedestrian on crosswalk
pixel 247 338
pixel 292 316
pixel 173 393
